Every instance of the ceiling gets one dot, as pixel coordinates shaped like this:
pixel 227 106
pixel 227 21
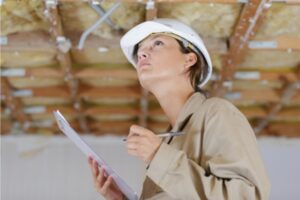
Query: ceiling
pixel 254 45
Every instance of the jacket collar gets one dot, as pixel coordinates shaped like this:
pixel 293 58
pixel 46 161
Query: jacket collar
pixel 187 110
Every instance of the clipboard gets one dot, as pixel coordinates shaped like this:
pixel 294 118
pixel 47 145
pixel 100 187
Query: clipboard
pixel 65 127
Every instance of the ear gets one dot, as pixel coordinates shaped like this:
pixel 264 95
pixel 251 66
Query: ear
pixel 190 60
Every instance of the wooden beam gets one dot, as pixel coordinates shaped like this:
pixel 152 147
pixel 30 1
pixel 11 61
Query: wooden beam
pixel 287 95
pixel 170 1
pixel 111 111
pixel 252 112
pixel 130 73
pixel 14 104
pixel 283 43
pixel 259 112
pixel 29 41
pixel 107 73
pixel 43 42
pixel 282 130
pixel 116 128
pixel 248 23
pixel 64 59
pixel 190 1
pixel 269 95
pixel 117 92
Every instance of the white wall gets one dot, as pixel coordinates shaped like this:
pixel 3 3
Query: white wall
pixel 52 168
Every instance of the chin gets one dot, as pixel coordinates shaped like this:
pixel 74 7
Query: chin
pixel 145 83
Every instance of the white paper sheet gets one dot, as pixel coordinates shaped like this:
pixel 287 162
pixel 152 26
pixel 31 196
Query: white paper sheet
pixel 87 150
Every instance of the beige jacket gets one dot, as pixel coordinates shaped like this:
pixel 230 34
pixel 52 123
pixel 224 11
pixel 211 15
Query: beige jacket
pixel 217 157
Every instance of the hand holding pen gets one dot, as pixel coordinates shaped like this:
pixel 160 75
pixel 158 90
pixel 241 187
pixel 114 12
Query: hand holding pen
pixel 166 134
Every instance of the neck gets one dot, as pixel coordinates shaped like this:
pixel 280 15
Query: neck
pixel 172 99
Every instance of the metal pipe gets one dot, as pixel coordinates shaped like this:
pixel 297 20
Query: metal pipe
pixel 101 12
pixel 96 24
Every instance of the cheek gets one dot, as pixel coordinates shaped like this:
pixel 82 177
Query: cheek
pixel 169 60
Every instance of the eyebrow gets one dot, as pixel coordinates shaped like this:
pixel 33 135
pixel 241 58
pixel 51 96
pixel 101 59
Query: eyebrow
pixel 153 38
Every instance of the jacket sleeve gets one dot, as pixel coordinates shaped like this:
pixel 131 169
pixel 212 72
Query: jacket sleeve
pixel 230 168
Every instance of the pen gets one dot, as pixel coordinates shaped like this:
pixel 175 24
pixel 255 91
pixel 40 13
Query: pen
pixel 167 134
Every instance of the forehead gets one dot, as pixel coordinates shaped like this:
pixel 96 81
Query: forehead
pixel 155 36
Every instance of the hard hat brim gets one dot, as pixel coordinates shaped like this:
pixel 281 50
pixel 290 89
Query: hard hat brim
pixel 143 30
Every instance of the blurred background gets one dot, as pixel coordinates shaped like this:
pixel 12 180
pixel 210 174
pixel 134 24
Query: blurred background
pixel 65 55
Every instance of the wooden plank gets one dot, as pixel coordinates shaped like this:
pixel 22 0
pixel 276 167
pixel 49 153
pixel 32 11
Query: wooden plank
pixel 249 21
pixel 282 130
pixel 50 92
pixel 170 1
pixel 64 59
pixel 269 95
pixel 262 113
pixel 43 42
pixel 14 104
pixel 283 43
pixel 130 73
pixel 29 41
pixel 291 90
pixel 111 111
pixel 116 128
pixel 129 92
pixel 104 73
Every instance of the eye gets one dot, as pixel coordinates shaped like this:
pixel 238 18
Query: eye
pixel 158 43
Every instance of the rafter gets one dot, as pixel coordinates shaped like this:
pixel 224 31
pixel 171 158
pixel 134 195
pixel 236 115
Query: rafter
pixel 64 58
pixel 14 104
pixel 248 23
pixel 130 73
pixel 287 95
pixel 290 43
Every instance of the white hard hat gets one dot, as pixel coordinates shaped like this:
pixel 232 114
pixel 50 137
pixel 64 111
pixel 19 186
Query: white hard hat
pixel 143 30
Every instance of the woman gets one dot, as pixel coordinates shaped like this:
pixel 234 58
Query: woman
pixel 217 157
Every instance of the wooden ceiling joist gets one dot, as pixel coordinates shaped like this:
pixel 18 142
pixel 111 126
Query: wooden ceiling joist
pixel 269 95
pixel 282 129
pixel 64 58
pixel 283 43
pixel 291 90
pixel 111 111
pixel 104 73
pixel 248 23
pixel 185 1
pixel 14 104
pixel 39 41
pixel 102 92
pixel 130 73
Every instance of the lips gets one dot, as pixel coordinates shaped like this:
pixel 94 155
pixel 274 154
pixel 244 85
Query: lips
pixel 143 63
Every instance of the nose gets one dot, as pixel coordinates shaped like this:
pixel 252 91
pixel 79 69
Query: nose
pixel 142 54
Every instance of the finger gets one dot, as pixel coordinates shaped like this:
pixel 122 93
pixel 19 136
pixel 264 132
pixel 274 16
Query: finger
pixel 95 169
pixel 90 160
pixel 133 153
pixel 132 146
pixel 139 130
pixel 101 178
pixel 107 185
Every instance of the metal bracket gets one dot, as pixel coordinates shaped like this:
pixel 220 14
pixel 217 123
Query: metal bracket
pixel 63 44
pixel 3 40
pixel 233 95
pixel 242 1
pixel 247 75
pixel 34 109
pixel 51 3
pixel 22 93
pixel 12 72
pixel 262 44
pixel 150 5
